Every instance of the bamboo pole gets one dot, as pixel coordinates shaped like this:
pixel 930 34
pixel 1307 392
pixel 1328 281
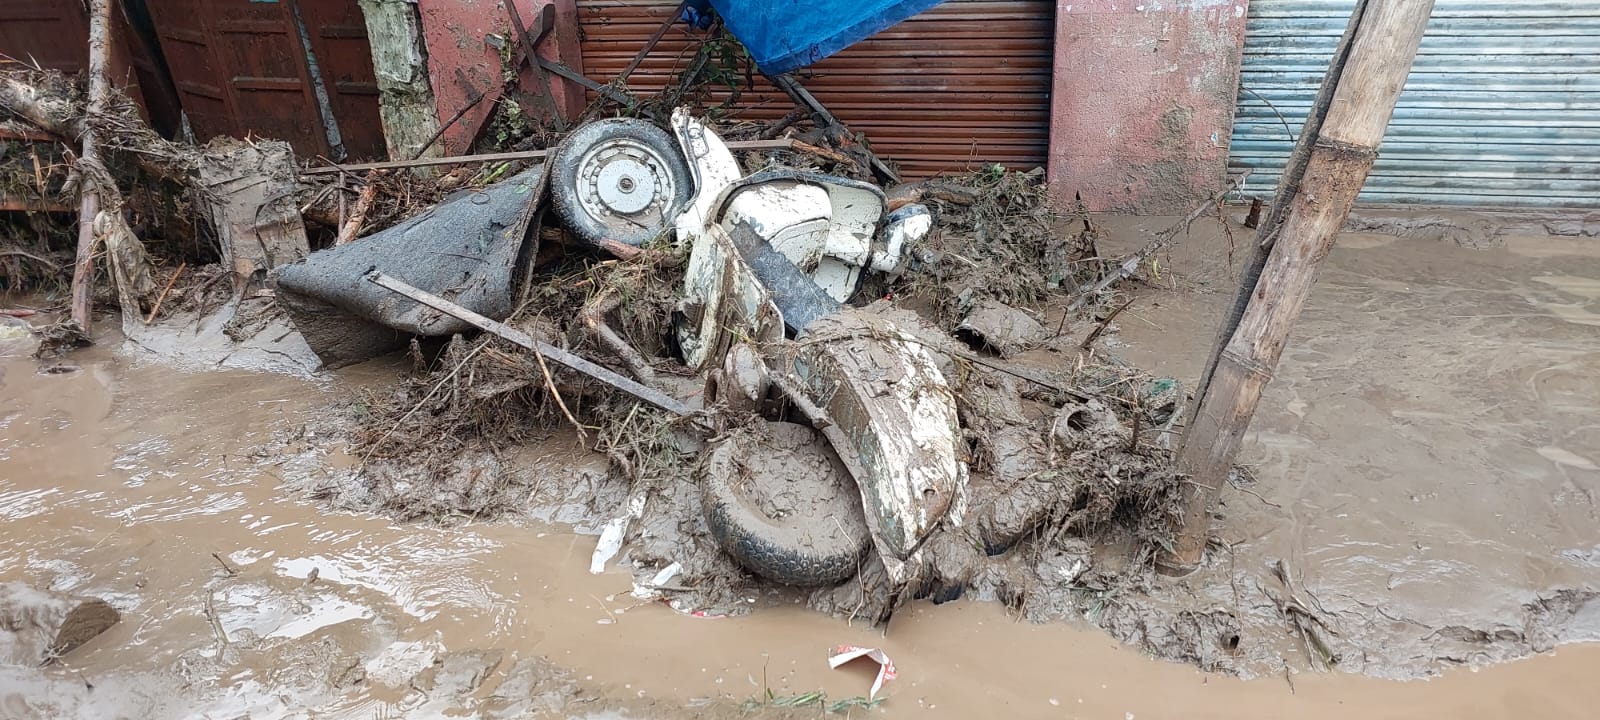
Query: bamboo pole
pixel 1289 183
pixel 1381 54
pixel 89 195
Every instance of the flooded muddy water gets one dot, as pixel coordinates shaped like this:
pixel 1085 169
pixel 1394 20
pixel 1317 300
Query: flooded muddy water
pixel 1426 453
pixel 1425 460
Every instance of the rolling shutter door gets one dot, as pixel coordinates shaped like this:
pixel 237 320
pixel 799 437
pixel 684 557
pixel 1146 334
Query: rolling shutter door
pixel 961 85
pixel 1501 109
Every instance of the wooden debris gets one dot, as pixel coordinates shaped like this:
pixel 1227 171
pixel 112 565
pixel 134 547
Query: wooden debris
pixel 26 205
pixel 1307 622
pixel 225 566
pixel 1105 322
pixel 955 194
pixel 593 316
pixel 89 168
pixel 167 288
pixel 1252 220
pixel 358 215
pixel 1341 155
pixel 782 124
pixel 38 626
pixel 522 339
pixel 826 153
pixel 825 119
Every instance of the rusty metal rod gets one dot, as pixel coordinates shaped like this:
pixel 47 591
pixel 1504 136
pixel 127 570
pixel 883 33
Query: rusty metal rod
pixel 785 144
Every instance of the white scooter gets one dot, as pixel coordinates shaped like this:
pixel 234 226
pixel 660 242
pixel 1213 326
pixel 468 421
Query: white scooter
pixel 776 255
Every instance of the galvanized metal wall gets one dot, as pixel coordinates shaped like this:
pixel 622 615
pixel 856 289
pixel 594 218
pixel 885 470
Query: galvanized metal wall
pixel 961 85
pixel 1502 107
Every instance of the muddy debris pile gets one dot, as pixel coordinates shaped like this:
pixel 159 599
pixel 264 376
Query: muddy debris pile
pixel 165 230
pixel 998 244
pixel 790 372
pixel 791 384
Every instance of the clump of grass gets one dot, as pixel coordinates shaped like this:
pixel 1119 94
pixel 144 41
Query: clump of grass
pixel 815 698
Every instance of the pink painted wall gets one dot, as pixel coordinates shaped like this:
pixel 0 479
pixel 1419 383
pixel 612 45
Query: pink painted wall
pixel 454 32
pixel 1142 101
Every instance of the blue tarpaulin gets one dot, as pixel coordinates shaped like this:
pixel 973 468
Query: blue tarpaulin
pixel 784 35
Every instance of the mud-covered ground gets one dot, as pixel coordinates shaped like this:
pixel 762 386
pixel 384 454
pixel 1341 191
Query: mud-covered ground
pixel 1423 468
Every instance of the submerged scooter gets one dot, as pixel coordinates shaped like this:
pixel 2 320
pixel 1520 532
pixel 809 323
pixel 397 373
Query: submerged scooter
pixel 778 255
pixel 775 258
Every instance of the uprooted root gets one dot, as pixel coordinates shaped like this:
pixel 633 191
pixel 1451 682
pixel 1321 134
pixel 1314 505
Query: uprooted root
pixel 148 181
pixel 55 104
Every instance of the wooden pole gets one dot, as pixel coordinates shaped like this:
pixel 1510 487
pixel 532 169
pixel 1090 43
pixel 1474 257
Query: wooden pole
pixel 88 194
pixel 358 216
pixel 1381 54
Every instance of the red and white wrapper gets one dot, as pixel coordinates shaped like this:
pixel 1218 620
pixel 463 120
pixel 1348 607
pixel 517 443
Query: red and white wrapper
pixel 842 654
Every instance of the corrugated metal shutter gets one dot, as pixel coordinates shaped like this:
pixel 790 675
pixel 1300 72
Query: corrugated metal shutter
pixel 961 85
pixel 1502 107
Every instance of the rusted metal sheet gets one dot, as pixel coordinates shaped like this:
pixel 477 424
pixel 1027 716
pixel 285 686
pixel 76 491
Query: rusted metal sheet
pixel 197 73
pixel 464 60
pixel 259 50
pixel 963 84
pixel 239 66
pixel 52 33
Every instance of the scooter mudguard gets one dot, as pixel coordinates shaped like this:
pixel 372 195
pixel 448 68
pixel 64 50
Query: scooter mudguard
pixel 883 390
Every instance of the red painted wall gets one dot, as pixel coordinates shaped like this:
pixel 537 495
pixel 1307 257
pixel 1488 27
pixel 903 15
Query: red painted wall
pixel 1142 101
pixel 454 32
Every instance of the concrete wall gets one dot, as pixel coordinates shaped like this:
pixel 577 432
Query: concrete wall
pixel 1142 101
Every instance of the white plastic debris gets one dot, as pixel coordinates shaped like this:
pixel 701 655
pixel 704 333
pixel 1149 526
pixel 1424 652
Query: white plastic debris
pixel 611 535
pixel 609 545
pixel 667 574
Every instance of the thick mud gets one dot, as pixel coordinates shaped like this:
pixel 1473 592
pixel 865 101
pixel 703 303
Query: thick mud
pixel 1424 467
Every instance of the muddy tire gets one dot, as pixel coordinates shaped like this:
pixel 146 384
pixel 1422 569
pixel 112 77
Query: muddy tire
pixel 779 501
pixel 620 179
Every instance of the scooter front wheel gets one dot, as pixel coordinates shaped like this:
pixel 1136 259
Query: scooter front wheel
pixel 781 503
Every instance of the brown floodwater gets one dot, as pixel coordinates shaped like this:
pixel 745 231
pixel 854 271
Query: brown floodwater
pixel 131 481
